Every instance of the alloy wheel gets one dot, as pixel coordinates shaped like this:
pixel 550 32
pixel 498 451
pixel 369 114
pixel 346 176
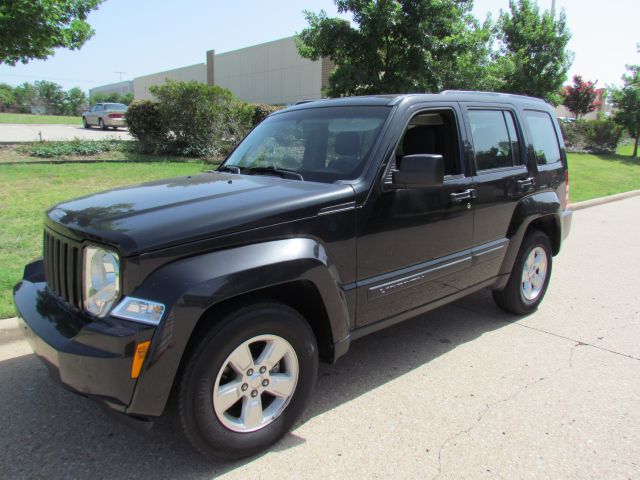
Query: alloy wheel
pixel 256 383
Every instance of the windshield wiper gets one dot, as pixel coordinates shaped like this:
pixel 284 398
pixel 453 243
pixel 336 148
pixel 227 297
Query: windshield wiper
pixel 229 168
pixel 283 172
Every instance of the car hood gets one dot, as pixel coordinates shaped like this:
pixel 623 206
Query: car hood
pixel 179 210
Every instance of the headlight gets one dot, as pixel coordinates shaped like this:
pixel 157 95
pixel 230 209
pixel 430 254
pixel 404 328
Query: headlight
pixel 101 284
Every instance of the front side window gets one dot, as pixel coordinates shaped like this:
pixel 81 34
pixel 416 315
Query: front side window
pixel 543 137
pixel 323 144
pixel 495 141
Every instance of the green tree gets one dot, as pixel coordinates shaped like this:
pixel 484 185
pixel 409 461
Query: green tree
pixel 51 96
pixel 581 97
pixel 627 103
pixel 127 98
pixel 26 97
pixel 7 97
pixel 75 101
pixel 32 29
pixel 533 58
pixel 400 46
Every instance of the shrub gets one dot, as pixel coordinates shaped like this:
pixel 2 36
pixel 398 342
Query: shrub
pixel 262 111
pixel 595 136
pixel 146 124
pixel 53 149
pixel 201 120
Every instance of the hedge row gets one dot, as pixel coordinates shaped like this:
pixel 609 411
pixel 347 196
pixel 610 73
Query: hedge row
pixel 593 136
pixel 191 118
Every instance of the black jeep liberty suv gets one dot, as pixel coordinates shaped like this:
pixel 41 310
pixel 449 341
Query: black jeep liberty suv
pixel 331 220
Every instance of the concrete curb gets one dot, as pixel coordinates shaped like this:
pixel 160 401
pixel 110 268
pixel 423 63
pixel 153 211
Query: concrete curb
pixel 10 331
pixel 602 200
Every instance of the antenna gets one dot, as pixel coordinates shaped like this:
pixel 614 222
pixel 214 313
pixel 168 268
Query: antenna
pixel 120 73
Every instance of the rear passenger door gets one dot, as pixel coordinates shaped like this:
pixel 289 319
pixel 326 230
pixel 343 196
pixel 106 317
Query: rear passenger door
pixel 501 179
pixel 542 133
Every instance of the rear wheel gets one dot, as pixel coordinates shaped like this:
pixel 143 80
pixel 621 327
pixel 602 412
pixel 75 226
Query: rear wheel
pixel 529 278
pixel 247 381
pixel 101 124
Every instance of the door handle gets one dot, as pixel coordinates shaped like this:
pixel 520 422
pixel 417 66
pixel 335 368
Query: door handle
pixel 526 183
pixel 462 196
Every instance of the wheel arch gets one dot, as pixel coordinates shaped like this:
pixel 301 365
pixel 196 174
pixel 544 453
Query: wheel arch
pixel 540 211
pixel 197 291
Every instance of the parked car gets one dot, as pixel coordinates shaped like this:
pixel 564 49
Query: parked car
pixel 105 115
pixel 331 220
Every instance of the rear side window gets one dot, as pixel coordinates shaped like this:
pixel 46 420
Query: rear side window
pixel 495 141
pixel 543 137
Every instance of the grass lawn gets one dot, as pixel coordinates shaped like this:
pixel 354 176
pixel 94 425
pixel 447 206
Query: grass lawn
pixel 27 190
pixel 592 176
pixel 48 119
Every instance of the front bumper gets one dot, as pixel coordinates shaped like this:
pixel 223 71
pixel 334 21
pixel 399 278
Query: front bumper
pixel 88 356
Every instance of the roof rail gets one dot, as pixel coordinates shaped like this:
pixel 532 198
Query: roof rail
pixel 301 102
pixel 497 94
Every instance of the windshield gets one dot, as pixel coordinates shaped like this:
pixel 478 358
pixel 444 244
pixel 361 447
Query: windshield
pixel 322 144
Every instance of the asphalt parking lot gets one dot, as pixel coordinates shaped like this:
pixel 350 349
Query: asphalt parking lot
pixel 13 132
pixel 463 392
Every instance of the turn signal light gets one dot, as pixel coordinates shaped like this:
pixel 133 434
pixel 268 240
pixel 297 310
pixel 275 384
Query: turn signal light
pixel 138 358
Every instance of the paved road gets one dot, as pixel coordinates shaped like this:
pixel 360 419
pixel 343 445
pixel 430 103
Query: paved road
pixel 463 392
pixel 13 132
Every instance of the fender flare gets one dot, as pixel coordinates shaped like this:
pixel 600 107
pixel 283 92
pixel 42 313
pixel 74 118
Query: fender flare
pixel 190 286
pixel 529 209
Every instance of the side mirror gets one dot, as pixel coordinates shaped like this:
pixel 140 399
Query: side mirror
pixel 418 171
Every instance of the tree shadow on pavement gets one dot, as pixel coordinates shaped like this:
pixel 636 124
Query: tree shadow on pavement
pixel 48 432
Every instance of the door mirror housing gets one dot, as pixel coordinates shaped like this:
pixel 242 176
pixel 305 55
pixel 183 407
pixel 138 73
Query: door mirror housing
pixel 419 171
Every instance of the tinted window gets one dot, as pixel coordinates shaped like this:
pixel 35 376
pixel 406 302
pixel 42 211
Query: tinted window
pixel 323 144
pixel 493 146
pixel 543 137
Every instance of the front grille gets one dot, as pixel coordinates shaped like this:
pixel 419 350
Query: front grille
pixel 62 267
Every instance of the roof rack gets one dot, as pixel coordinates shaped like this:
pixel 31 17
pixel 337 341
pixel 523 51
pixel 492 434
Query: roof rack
pixel 497 94
pixel 301 102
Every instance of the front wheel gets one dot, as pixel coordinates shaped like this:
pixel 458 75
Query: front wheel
pixel 85 124
pixel 247 381
pixel 529 278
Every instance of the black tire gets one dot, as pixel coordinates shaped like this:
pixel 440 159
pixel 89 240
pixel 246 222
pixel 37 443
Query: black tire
pixel 85 124
pixel 101 124
pixel 512 298
pixel 194 393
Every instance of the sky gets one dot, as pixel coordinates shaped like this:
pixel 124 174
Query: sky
pixel 140 37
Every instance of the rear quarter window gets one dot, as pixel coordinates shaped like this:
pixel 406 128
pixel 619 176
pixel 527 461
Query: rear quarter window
pixel 543 137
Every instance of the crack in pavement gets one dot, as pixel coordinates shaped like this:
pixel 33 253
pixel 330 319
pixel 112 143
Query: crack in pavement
pixel 515 322
pixel 488 407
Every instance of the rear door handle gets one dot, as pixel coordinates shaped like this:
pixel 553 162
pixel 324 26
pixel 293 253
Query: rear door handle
pixel 462 196
pixel 526 183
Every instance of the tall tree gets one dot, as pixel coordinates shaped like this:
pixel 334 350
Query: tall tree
pixel 51 96
pixel 533 56
pixel 400 46
pixel 75 101
pixel 26 97
pixel 31 29
pixel 627 103
pixel 7 97
pixel 581 97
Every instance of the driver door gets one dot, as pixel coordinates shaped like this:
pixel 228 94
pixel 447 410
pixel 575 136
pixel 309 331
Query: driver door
pixel 414 245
